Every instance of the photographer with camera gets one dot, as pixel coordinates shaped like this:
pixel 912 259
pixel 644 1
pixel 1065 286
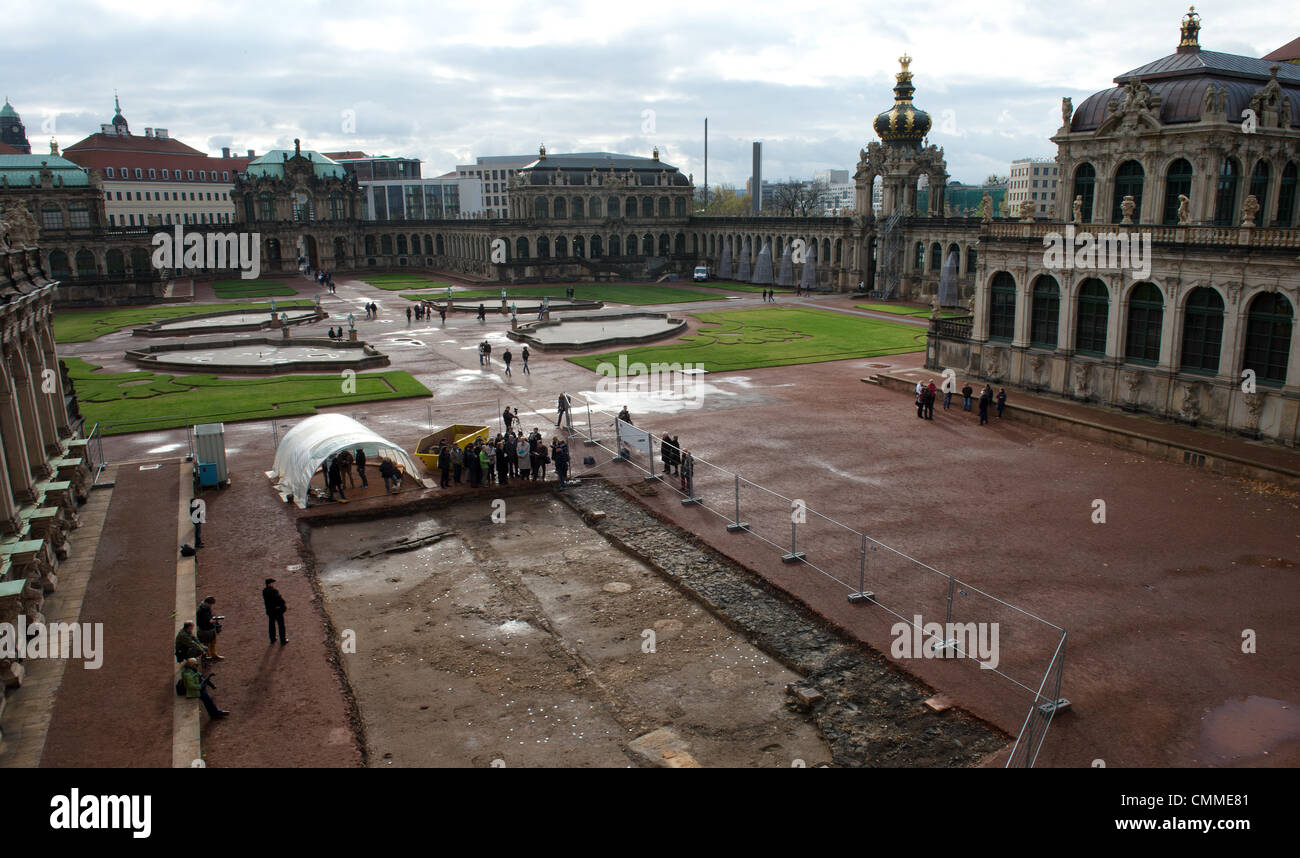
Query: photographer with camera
pixel 209 627
pixel 197 685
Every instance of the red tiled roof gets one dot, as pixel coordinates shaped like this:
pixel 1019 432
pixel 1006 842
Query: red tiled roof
pixel 6 149
pixel 133 143
pixel 344 156
pixel 1287 53
pixel 98 160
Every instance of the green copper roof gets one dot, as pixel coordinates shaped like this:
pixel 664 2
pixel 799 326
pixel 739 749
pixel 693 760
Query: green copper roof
pixel 21 169
pixel 272 164
pixel 8 110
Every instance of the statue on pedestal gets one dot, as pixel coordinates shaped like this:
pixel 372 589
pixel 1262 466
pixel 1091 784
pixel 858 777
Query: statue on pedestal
pixel 1077 207
pixel 1184 210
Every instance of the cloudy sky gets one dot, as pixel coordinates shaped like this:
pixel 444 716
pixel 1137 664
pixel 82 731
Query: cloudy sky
pixel 447 82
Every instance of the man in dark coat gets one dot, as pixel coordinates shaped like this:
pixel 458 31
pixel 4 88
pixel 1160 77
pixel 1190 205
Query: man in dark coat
pixel 965 396
pixel 986 399
pixel 1001 400
pixel 560 455
pixel 360 458
pixel 444 464
pixel 275 608
pixel 666 453
pixel 336 478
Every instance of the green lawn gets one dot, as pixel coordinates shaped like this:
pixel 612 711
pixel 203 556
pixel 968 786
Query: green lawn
pixel 398 282
pixel 251 289
pixel 165 401
pixel 610 293
pixel 747 339
pixel 82 326
pixel 904 310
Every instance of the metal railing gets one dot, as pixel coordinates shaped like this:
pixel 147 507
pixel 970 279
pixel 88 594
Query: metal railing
pixel 870 571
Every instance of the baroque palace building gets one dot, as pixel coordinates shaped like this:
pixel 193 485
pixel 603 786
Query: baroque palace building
pixel 1190 162
pixel 44 469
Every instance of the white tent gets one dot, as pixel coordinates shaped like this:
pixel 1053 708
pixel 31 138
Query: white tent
pixel 304 447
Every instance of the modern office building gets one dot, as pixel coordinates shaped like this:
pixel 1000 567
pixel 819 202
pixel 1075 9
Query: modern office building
pixel 1034 180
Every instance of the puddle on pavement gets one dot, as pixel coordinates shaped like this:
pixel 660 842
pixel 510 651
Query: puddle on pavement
pixel 1246 729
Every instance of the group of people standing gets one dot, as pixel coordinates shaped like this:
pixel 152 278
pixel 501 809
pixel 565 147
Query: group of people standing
pixel 677 461
pixel 196 645
pixel 338 468
pixel 500 459
pixel 927 393
pixel 372 310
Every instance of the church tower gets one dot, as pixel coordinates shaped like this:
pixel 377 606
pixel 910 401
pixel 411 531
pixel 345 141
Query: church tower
pixel 11 129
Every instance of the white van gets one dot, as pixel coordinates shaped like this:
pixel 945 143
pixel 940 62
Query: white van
pixel 701 273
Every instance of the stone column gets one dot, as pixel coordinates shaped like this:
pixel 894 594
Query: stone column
pixel 1114 319
pixel 44 386
pixel 29 425
pixel 1066 334
pixel 1024 309
pixel 17 465
pixel 9 520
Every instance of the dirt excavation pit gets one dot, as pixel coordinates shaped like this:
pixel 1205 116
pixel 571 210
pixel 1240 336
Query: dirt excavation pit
pixel 536 643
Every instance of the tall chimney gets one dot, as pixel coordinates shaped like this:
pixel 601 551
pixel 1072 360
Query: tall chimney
pixel 757 189
pixel 252 154
pixel 225 151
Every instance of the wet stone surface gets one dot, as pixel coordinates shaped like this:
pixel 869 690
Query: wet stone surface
pixel 871 713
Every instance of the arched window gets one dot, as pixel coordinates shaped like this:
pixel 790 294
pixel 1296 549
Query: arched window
pixel 615 246
pixel 613 208
pixel 936 254
pixel 540 208
pixel 561 211
pixel 972 257
pixel 1178 180
pixel 370 245
pixel 428 244
pixel 442 245
pixel 920 256
pixel 1094 314
pixel 561 247
pixel 59 264
pixel 681 207
pixel 1085 183
pixel 648 243
pixel 1268 337
pixel 1259 190
pixel 543 248
pixel 595 207
pixel 1202 331
pixel 1146 316
pixel 115 262
pixel 386 245
pixel 1128 182
pixel 630 207
pixel 647 207
pixel 1002 307
pixel 664 209
pixel 1045 312
pixel 85 263
pixel 633 246
pixel 595 247
pixel 679 244
pixel 1286 194
pixel 579 246
pixel 265 207
pixel 1225 200
pixel 401 245
pixel 578 208
pixel 521 248
pixel 336 207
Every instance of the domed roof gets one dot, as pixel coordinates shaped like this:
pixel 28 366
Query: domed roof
pixel 8 110
pixel 1178 83
pixel 903 123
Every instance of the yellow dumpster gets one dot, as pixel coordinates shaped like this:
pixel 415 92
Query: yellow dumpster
pixel 462 434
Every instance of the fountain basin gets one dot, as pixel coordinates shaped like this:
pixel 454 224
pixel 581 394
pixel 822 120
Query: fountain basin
pixel 597 331
pixel 260 355
pixel 228 322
